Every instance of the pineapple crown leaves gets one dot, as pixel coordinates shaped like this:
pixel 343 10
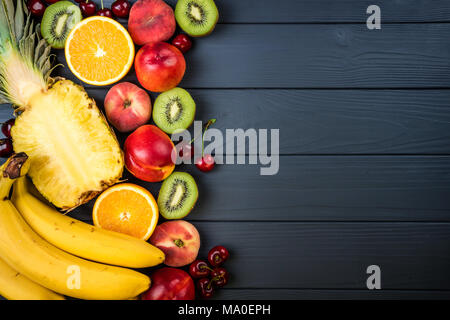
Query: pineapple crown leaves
pixel 19 34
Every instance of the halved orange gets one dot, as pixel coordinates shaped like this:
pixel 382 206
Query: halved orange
pixel 126 208
pixel 99 51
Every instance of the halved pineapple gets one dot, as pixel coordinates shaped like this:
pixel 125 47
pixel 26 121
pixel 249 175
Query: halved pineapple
pixel 74 154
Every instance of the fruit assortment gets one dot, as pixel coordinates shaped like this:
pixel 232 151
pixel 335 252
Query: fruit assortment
pixel 78 157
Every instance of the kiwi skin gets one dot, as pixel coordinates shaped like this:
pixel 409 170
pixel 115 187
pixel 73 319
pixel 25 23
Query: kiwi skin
pixel 163 197
pixel 159 109
pixel 182 19
pixel 48 22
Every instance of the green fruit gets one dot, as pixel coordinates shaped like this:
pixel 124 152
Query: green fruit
pixel 177 196
pixel 174 110
pixel 196 17
pixel 57 22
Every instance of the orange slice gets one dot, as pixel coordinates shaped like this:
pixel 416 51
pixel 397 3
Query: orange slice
pixel 126 208
pixel 99 51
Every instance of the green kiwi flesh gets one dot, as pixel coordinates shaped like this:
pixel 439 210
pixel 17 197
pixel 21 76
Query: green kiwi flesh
pixel 57 22
pixel 196 17
pixel 177 196
pixel 174 110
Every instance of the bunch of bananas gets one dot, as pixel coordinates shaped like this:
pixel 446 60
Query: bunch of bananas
pixel 45 255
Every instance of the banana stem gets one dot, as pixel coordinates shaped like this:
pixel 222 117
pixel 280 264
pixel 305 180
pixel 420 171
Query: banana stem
pixel 16 166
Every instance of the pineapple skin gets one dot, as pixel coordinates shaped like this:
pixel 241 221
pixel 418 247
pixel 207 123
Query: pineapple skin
pixel 74 153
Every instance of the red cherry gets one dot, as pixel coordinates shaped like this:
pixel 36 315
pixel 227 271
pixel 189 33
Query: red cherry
pixel 182 42
pixel 51 1
pixel 121 8
pixel 185 151
pixel 6 148
pixel 6 127
pixel 205 287
pixel 218 255
pixel 105 13
pixel 205 163
pixel 36 7
pixel 220 277
pixel 88 8
pixel 199 269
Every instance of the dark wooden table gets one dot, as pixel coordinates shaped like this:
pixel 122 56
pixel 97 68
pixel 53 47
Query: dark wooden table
pixel 364 119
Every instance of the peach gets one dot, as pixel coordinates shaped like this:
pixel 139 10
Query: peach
pixel 127 106
pixel 148 154
pixel 179 240
pixel 159 66
pixel 151 21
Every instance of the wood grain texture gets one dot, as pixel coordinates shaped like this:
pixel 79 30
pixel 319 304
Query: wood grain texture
pixel 332 121
pixel 329 11
pixel 318 56
pixel 321 294
pixel 332 255
pixel 334 188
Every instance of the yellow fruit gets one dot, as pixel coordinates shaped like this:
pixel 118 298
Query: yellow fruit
pixel 29 254
pixel 15 286
pixel 74 154
pixel 99 51
pixel 127 208
pixel 82 239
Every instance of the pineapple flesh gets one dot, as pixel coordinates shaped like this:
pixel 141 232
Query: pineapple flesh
pixel 73 152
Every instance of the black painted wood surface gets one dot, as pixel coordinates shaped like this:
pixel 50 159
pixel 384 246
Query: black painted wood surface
pixel 364 119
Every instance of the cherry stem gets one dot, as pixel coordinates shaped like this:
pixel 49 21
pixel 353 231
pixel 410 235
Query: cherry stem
pixel 208 124
pixel 206 267
pixel 102 3
pixel 205 127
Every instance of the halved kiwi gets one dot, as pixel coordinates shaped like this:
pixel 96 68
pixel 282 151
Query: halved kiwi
pixel 177 196
pixel 57 22
pixel 174 110
pixel 196 17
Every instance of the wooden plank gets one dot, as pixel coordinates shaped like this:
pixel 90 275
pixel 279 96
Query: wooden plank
pixel 329 11
pixel 332 121
pixel 329 121
pixel 320 188
pixel 332 255
pixel 318 56
pixel 305 294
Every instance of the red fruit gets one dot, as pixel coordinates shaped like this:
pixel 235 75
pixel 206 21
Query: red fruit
pixel 88 8
pixel 179 240
pixel 127 106
pixel 220 277
pixel 51 1
pixel 204 285
pixel 36 7
pixel 199 269
pixel 205 163
pixel 6 127
pixel 170 284
pixel 185 151
pixel 159 66
pixel 151 21
pixel 6 148
pixel 121 8
pixel 182 42
pixel 218 255
pixel 105 13
pixel 148 154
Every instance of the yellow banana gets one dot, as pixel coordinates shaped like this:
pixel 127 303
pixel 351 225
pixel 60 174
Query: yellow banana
pixel 28 253
pixel 82 239
pixel 15 286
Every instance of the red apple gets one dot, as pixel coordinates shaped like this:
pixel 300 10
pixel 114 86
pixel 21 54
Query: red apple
pixel 159 66
pixel 148 154
pixel 170 284
pixel 127 106
pixel 151 21
pixel 179 240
